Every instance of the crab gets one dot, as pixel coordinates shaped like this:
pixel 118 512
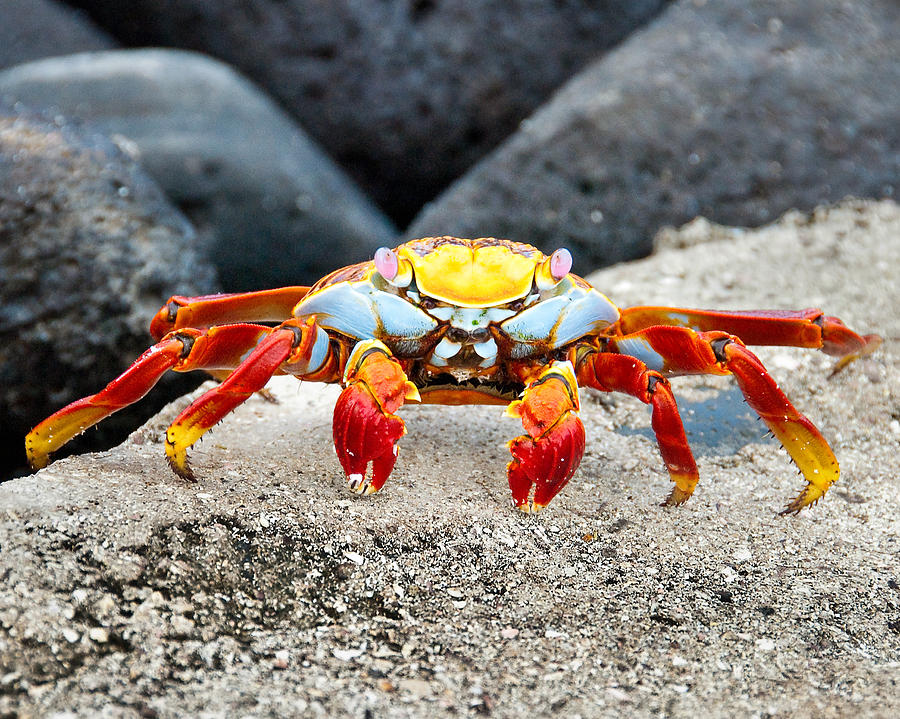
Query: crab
pixel 453 321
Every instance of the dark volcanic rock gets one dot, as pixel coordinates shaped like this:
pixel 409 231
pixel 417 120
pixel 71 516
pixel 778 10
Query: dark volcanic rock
pixel 733 110
pixel 270 207
pixel 43 28
pixel 89 251
pixel 405 95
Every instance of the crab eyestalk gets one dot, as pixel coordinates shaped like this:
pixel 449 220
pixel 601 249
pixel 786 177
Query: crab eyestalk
pixel 395 270
pixel 553 270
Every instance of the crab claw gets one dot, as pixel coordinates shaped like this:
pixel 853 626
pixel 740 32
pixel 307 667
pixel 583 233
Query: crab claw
pixel 545 459
pixel 365 428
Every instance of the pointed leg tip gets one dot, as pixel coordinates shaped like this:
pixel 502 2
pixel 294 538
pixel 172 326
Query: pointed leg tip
pixel 36 460
pixel 809 497
pixel 684 484
pixel 670 502
pixel 267 395
pixel 180 466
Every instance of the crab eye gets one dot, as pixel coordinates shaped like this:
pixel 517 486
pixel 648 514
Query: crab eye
pixel 553 270
pixel 560 263
pixel 386 263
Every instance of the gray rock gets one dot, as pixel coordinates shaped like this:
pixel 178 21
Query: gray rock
pixel 734 110
pixel 404 94
pixel 267 590
pixel 270 207
pixel 45 28
pixel 89 251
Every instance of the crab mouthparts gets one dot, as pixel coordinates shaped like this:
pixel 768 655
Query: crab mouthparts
pixel 446 383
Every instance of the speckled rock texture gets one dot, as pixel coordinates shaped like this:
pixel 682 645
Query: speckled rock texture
pixel 265 589
pixel 405 94
pixel 736 111
pixel 269 206
pixel 89 250
pixel 45 28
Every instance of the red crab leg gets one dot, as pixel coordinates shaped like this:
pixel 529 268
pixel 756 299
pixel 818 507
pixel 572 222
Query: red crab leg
pixel 365 427
pixel 208 310
pixel 182 351
pixel 546 457
pixel 288 347
pixel 802 328
pixel 683 351
pixel 622 373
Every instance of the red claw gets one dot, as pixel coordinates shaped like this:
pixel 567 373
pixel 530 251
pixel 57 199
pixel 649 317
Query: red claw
pixel 365 428
pixel 545 464
pixel 545 458
pixel 363 433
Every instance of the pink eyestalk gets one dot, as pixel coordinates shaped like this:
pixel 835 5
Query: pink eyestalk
pixel 553 270
pixel 560 263
pixel 386 263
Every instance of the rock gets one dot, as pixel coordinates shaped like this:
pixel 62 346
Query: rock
pixel 89 251
pixel 44 28
pixel 271 209
pixel 604 604
pixel 404 94
pixel 734 110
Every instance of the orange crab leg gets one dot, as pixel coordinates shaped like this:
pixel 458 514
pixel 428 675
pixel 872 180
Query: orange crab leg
pixel 208 310
pixel 678 350
pixel 365 427
pixel 188 349
pixel 622 373
pixel 546 457
pixel 795 328
pixel 286 348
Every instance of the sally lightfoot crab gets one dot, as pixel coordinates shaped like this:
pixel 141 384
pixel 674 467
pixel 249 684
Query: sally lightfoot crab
pixel 451 321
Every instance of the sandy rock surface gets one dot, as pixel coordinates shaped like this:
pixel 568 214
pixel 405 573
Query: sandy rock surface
pixel 266 589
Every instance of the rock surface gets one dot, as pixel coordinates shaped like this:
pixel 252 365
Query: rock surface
pixel 404 94
pixel 271 209
pixel 734 110
pixel 45 28
pixel 265 589
pixel 89 251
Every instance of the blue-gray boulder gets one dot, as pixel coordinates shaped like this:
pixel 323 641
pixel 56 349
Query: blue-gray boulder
pixel 734 110
pixel 269 206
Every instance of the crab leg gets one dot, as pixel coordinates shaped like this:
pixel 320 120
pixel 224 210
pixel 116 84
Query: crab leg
pixel 622 373
pixel 208 310
pixel 546 457
pixel 801 328
pixel 678 350
pixel 182 351
pixel 296 347
pixel 365 427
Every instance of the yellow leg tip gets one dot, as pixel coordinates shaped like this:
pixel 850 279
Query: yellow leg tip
pixel 807 498
pixel 36 459
pixel 176 456
pixel 677 497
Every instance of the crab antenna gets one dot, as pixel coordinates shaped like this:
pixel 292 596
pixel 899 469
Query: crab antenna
pixel 386 263
pixel 560 263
